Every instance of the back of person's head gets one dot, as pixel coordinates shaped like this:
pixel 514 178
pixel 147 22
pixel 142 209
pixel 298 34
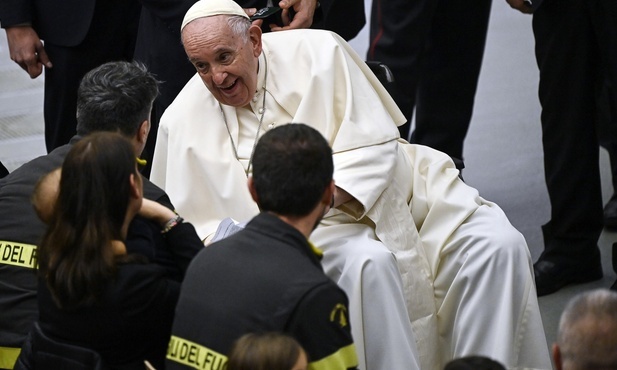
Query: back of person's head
pixel 45 194
pixel 91 206
pixel 474 363
pixel 587 335
pixel 292 167
pixel 116 96
pixel 267 351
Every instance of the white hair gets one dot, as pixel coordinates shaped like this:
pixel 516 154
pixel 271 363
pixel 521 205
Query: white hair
pixel 239 26
pixel 587 336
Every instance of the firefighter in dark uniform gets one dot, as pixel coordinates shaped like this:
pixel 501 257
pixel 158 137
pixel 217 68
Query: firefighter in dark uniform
pixel 20 232
pixel 21 229
pixel 267 277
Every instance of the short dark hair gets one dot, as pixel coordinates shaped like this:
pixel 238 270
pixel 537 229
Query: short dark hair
pixel 116 96
pixel 292 167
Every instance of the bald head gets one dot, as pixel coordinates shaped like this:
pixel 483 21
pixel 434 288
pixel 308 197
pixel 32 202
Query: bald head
pixel 587 336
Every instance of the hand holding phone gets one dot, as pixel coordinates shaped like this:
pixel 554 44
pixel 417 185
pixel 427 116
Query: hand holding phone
pixel 271 14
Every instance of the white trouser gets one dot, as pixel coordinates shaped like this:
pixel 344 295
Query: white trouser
pixel 367 271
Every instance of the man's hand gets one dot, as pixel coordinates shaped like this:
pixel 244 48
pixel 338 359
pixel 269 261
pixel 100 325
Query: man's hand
pixel 26 49
pixel 303 17
pixel 250 12
pixel 520 5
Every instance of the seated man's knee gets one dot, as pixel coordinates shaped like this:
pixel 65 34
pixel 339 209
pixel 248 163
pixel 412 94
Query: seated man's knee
pixel 487 238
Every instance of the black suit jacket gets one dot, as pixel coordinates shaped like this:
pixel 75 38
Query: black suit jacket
pixel 60 22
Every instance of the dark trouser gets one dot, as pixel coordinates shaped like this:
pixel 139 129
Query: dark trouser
pixel 111 37
pixel 576 46
pixel 607 130
pixel 434 49
pixel 3 171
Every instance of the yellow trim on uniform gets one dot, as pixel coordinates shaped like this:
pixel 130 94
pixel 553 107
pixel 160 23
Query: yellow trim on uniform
pixel 195 355
pixel 8 357
pixel 17 254
pixel 344 358
pixel 316 250
pixel 140 161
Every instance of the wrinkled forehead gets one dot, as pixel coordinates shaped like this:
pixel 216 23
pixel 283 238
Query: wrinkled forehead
pixel 208 35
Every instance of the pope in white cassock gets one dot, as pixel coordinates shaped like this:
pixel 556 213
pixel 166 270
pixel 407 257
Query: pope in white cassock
pixel 432 270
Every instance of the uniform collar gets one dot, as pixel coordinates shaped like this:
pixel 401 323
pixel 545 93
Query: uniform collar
pixel 269 224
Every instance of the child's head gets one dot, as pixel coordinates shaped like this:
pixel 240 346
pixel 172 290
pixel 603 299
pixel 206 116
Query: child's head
pixel 268 351
pixel 45 194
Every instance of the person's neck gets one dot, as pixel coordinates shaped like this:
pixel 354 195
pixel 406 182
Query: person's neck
pixel 304 224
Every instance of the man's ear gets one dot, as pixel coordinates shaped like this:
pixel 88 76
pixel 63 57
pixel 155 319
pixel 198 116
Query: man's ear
pixel 252 189
pixel 255 37
pixel 144 130
pixel 328 196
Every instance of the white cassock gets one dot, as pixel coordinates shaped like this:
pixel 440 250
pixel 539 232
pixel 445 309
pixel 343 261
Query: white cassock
pixel 432 270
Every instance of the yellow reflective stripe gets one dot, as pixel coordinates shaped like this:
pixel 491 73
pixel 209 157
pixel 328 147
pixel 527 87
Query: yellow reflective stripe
pixel 8 357
pixel 141 161
pixel 17 254
pixel 316 250
pixel 344 358
pixel 195 355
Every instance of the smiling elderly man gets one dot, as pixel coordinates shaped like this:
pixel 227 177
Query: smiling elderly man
pixel 417 251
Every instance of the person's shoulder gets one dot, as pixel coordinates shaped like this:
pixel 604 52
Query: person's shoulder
pixel 38 166
pixel 229 244
pixel 305 35
pixel 313 49
pixel 16 188
pixel 328 288
pixel 194 97
pixel 190 92
pixel 208 255
pixel 212 255
pixel 155 193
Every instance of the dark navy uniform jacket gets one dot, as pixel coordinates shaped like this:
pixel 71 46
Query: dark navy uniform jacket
pixel 21 231
pixel 264 278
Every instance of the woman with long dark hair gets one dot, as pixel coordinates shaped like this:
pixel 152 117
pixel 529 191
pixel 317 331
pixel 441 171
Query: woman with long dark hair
pixel 92 293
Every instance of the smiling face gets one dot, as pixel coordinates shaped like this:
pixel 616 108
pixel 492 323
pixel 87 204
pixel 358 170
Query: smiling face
pixel 226 61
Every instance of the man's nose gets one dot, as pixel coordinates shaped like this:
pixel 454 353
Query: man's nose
pixel 219 75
